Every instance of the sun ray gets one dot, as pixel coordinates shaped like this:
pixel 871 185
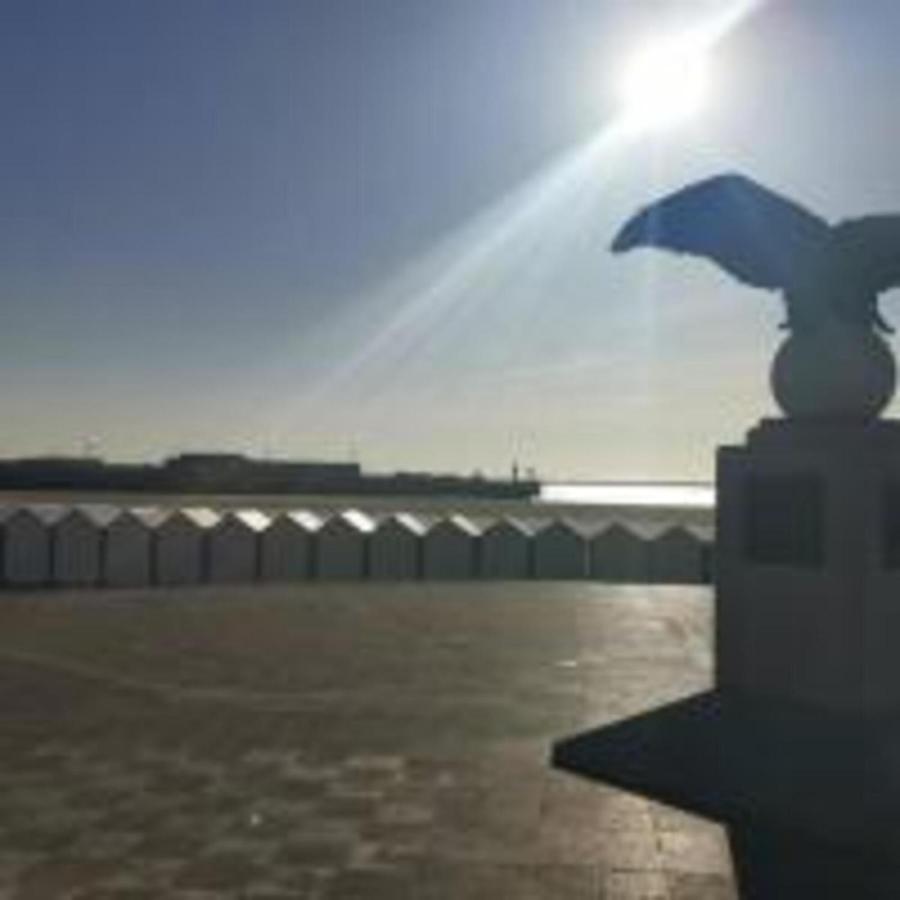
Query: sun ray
pixel 443 283
pixel 406 315
pixel 669 78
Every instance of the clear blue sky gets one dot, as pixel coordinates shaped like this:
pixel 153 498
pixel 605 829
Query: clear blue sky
pixel 313 225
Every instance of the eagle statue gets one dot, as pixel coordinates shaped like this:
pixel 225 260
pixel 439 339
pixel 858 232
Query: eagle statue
pixel 826 272
pixel 834 364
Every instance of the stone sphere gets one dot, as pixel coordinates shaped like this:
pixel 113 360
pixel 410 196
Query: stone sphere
pixel 835 372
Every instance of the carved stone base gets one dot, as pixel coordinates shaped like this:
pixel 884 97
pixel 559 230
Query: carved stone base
pixel 811 799
pixel 808 565
pixel 835 372
pixel 782 865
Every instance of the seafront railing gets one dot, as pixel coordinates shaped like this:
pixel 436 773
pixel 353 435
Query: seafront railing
pixel 103 546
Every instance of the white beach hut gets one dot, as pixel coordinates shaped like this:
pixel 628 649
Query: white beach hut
pixel 621 554
pixel 234 546
pixel 506 550
pixel 180 546
pixel 450 549
pixel 707 536
pixel 77 544
pixel 127 549
pixel 677 557
pixel 395 548
pixel 286 546
pixel 342 546
pixel 560 551
pixel 26 539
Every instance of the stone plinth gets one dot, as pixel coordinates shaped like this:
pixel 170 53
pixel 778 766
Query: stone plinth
pixel 808 565
pixel 797 750
pixel 810 799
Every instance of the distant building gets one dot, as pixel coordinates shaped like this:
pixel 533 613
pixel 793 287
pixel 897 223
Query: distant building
pixel 233 473
pixel 75 473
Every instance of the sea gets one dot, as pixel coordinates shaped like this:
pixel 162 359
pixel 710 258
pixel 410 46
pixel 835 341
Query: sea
pixel 686 495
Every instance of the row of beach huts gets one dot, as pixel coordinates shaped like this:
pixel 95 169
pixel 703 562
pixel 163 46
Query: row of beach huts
pixel 97 545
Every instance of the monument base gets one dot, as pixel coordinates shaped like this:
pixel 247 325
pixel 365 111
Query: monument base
pixel 810 799
pixel 780 865
pixel 807 564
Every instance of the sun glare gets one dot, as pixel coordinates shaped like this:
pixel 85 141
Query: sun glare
pixel 665 82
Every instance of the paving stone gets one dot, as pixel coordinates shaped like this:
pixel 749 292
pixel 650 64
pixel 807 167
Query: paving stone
pixel 667 818
pixel 357 807
pixel 400 835
pixel 168 844
pixel 409 813
pixel 219 871
pixel 275 894
pixel 461 881
pixel 316 761
pixel 53 878
pixel 376 765
pixel 635 885
pixel 401 852
pixel 590 845
pixel 553 882
pixel 701 887
pixel 119 893
pixel 474 845
pixel 372 884
pixel 49 840
pixel 692 851
pixel 113 846
pixel 301 881
pixel 315 852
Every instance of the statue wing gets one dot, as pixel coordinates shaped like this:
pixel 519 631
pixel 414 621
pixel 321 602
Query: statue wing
pixel 759 237
pixel 868 252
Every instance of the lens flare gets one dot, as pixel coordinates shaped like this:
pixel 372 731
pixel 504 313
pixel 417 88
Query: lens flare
pixel 665 83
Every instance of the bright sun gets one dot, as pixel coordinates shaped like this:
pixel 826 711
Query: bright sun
pixel 665 82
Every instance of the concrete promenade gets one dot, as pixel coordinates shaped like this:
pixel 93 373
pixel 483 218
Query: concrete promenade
pixel 336 742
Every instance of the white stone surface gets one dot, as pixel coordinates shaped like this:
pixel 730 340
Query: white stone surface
pixel 234 547
pixel 180 546
pixel 77 540
pixel 26 546
pixel 395 548
pixel 449 549
pixel 127 555
pixel 146 545
pixel 560 551
pixel 618 554
pixel 286 546
pixel 676 557
pixel 506 550
pixel 341 546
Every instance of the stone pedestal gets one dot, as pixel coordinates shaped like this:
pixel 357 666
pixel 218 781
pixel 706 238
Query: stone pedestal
pixel 797 749
pixel 808 565
pixel 771 864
